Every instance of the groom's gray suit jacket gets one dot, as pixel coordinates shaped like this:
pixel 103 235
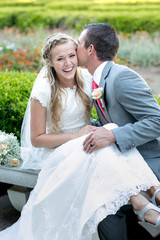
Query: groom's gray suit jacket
pixel 130 104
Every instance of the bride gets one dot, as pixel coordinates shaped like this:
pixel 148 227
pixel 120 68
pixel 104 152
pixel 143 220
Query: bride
pixel 74 190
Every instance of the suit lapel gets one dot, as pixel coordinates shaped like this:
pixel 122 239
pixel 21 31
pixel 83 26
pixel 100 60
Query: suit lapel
pixel 105 73
pixel 103 84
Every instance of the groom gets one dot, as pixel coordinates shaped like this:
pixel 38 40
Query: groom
pixel 128 102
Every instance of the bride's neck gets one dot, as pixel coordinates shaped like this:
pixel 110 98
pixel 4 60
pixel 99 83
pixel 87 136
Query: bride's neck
pixel 67 83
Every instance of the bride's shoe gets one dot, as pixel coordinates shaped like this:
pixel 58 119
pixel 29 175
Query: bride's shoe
pixel 154 230
pixel 153 199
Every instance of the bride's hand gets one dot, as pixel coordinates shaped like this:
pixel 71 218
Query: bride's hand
pixel 85 130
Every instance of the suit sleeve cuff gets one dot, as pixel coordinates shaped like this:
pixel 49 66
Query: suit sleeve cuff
pixel 121 142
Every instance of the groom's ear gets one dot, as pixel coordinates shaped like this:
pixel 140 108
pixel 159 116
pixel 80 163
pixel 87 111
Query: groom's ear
pixel 91 49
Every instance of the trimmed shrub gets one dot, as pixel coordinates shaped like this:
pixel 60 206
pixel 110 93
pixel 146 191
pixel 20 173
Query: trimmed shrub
pixel 15 89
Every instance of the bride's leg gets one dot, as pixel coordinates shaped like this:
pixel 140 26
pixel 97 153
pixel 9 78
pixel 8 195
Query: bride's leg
pixel 151 192
pixel 139 202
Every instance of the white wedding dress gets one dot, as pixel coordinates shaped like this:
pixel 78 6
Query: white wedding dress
pixel 75 190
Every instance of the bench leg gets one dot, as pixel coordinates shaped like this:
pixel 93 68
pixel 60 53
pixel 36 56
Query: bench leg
pixel 18 196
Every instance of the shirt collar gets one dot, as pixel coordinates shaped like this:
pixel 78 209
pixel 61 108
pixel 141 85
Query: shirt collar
pixel 98 72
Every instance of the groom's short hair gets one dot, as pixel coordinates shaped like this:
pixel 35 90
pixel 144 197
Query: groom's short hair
pixel 104 38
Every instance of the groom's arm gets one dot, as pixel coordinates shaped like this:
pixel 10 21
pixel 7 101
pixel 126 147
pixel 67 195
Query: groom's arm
pixel 135 96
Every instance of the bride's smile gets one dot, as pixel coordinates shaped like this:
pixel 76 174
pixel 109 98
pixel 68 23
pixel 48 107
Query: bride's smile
pixel 64 61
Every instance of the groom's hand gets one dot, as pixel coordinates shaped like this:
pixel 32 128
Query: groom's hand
pixel 98 138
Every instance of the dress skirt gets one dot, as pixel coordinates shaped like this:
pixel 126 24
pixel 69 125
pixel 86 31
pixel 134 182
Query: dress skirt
pixel 75 191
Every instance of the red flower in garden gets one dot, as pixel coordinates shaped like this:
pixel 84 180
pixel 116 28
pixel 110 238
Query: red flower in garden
pixel 28 60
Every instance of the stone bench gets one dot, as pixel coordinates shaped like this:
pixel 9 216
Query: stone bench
pixel 23 182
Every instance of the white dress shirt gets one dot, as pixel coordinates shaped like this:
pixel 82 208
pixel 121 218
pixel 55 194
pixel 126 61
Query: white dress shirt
pixel 98 72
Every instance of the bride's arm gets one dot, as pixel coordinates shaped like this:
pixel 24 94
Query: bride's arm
pixel 39 138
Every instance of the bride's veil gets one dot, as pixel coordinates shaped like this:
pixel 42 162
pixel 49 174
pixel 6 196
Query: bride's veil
pixel 30 155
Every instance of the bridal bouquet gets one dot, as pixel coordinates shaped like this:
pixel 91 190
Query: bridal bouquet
pixel 9 150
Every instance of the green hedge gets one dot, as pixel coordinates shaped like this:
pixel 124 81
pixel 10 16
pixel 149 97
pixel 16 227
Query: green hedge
pixel 121 21
pixel 125 16
pixel 15 88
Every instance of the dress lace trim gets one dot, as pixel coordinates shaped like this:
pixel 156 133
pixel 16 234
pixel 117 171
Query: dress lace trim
pixel 40 99
pixel 110 208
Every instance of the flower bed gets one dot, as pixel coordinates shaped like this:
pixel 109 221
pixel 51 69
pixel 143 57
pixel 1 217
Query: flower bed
pixel 22 60
pixel 22 52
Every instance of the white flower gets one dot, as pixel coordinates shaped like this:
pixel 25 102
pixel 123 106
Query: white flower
pixel 3 146
pixel 97 93
pixel 15 162
pixel 2 138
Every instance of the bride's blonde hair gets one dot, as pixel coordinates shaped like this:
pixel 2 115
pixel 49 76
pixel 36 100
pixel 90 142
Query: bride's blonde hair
pixel 56 91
